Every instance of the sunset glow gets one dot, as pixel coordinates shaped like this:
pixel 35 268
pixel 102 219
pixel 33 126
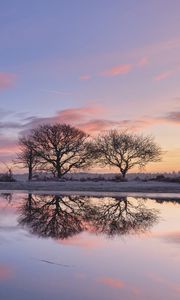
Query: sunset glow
pixel 94 65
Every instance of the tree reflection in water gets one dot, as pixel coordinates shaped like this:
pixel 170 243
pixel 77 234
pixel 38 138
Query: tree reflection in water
pixel 123 216
pixel 54 216
pixel 61 217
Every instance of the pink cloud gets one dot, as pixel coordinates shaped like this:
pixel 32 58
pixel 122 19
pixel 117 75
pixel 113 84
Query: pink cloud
pixel 78 114
pixel 88 120
pixel 7 80
pixel 143 62
pixel 112 282
pixel 167 74
pixel 161 280
pixel 171 237
pixel 173 117
pixel 91 119
pixel 136 291
pixel 117 70
pixel 5 272
pixel 164 75
pixel 85 77
pixel 155 50
pixel 119 284
pixel 82 242
pixel 7 144
pixel 93 126
pixel 9 149
pixel 75 116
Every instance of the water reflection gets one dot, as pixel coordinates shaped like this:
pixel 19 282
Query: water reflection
pixel 79 253
pixel 7 196
pixel 123 216
pixel 61 217
pixel 54 216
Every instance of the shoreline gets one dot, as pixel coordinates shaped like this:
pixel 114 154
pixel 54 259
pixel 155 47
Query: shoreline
pixel 90 187
pixel 160 196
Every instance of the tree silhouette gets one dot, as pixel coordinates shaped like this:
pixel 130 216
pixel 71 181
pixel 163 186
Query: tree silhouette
pixel 54 216
pixel 120 216
pixel 125 150
pixel 61 148
pixel 62 217
pixel 27 155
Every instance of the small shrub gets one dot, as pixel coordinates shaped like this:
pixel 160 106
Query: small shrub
pixel 137 178
pixel 7 177
pixel 160 177
pixel 119 178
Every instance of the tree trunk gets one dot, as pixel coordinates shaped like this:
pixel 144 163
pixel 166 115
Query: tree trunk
pixel 30 173
pixel 58 167
pixel 29 202
pixel 59 174
pixel 123 174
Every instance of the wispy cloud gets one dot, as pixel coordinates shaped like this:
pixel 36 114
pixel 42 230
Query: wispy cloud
pixel 168 73
pixel 164 75
pixel 155 49
pixel 57 92
pixel 173 116
pixel 92 119
pixel 169 236
pixel 85 77
pixel 143 62
pixel 5 113
pixel 117 70
pixel 7 145
pixel 10 125
pixel 74 116
pixel 88 119
pixel 116 283
pixel 112 282
pixel 165 283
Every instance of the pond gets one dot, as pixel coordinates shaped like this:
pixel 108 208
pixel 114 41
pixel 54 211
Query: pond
pixel 77 247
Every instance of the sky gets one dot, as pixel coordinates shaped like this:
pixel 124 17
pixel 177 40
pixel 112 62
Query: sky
pixel 94 64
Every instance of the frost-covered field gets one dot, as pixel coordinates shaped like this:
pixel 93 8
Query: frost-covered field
pixel 91 186
pixel 83 176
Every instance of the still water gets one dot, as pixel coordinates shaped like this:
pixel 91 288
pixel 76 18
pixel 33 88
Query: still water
pixel 70 247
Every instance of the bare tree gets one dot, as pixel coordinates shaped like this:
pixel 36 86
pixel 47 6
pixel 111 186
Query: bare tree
pixel 8 174
pixel 61 148
pixel 125 150
pixel 61 217
pixel 55 216
pixel 121 216
pixel 27 155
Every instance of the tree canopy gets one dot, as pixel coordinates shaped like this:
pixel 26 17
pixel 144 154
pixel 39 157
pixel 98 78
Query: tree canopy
pixel 125 150
pixel 59 148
